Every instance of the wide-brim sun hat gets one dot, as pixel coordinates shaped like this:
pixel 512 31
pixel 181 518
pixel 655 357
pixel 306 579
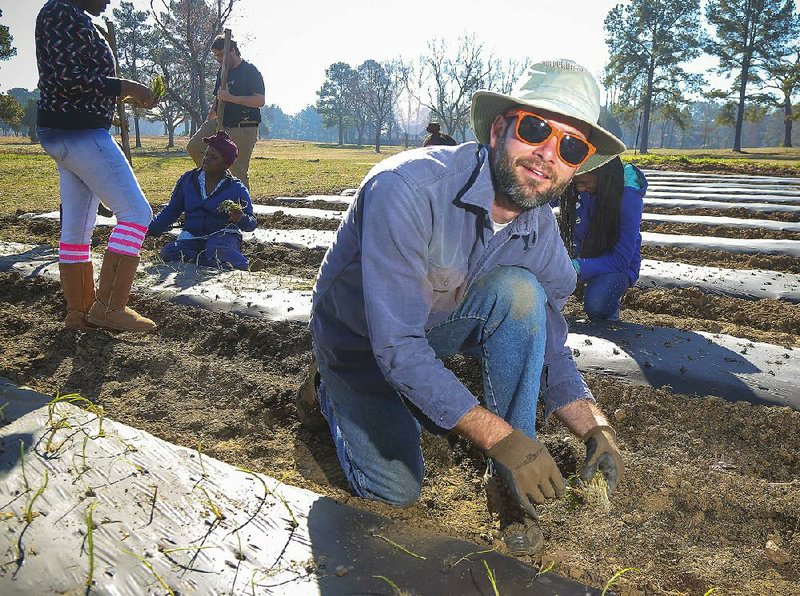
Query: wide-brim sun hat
pixel 560 86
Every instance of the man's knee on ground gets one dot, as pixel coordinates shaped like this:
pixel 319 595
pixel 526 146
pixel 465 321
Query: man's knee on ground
pixel 402 494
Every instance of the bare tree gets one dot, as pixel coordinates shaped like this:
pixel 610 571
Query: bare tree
pixel 504 74
pixel 377 88
pixel 453 80
pixel 171 109
pixel 189 27
pixel 412 77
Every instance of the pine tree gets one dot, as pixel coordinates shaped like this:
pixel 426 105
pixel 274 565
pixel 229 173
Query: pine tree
pixel 749 34
pixel 648 40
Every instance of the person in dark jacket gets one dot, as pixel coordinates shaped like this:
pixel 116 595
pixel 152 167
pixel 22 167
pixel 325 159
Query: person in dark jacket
pixel 436 136
pixel 78 92
pixel 217 206
pixel 600 219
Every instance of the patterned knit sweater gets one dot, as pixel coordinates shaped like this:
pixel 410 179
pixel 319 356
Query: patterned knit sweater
pixel 77 86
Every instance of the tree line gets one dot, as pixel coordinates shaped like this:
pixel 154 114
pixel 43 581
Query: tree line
pixel 651 99
pixel 756 43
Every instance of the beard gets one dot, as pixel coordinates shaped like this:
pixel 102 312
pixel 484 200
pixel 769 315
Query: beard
pixel 524 194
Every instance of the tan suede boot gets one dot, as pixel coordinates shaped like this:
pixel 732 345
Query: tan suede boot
pixel 77 281
pixel 113 290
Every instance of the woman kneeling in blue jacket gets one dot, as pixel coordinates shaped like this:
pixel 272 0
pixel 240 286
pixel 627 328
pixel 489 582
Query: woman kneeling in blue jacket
pixel 600 219
pixel 212 232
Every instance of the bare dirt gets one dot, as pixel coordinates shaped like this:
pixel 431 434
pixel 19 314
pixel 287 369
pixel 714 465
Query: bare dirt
pixel 709 483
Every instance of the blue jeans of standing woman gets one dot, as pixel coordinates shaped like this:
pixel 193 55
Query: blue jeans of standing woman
pixel 91 166
pixel 377 437
pixel 603 294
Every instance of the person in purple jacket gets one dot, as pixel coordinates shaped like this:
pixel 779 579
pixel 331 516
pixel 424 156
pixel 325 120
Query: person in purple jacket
pixel 456 249
pixel 218 209
pixel 600 216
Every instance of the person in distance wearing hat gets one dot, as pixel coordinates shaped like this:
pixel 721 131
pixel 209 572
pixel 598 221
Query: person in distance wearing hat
pixel 218 209
pixel 456 249
pixel 435 136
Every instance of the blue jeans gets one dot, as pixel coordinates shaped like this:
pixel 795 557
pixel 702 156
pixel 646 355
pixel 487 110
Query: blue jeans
pixel 377 437
pixel 603 294
pixel 91 166
pixel 222 251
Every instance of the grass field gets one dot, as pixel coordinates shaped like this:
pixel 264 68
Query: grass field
pixel 29 179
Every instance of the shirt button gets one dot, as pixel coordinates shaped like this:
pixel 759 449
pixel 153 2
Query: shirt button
pixel 578 205
pixel 577 220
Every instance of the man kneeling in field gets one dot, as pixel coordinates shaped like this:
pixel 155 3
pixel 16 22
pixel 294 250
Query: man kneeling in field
pixel 217 206
pixel 456 249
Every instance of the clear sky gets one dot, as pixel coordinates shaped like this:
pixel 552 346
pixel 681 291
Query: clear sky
pixel 292 42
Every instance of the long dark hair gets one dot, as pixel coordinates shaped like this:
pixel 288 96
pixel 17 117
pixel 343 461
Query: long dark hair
pixel 604 228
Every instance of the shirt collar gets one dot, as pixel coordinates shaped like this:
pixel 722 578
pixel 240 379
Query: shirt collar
pixel 481 194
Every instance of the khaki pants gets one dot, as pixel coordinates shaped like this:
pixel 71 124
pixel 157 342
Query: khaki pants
pixel 245 139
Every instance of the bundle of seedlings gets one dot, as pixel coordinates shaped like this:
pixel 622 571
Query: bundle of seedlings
pixel 227 206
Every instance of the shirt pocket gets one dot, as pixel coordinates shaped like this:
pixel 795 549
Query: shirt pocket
pixel 447 285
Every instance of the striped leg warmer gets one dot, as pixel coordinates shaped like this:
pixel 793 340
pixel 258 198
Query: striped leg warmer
pixel 74 253
pixel 127 238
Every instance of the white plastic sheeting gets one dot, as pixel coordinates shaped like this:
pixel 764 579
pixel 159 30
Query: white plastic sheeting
pixel 751 284
pixel 733 222
pixel 336 199
pixel 248 293
pixel 88 502
pixel 703 177
pixel 720 205
pixel 695 194
pixel 101 499
pixel 745 246
pixel 690 362
pixel 297 212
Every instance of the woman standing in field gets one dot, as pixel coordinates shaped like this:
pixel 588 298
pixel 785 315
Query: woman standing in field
pixel 75 111
pixel 600 218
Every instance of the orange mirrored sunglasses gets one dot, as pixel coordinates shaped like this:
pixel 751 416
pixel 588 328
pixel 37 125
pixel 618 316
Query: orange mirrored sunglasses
pixel 533 129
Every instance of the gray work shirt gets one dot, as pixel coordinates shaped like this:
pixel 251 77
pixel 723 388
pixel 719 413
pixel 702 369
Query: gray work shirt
pixel 407 251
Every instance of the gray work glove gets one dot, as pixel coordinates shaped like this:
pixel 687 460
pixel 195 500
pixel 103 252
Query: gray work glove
pixel 527 469
pixel 603 453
